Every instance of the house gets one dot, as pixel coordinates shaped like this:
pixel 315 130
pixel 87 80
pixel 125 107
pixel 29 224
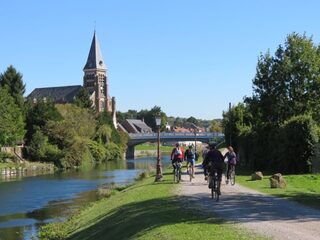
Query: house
pixel 134 126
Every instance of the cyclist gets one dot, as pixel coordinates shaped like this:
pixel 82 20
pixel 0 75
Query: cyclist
pixel 191 159
pixel 232 161
pixel 214 158
pixel 177 154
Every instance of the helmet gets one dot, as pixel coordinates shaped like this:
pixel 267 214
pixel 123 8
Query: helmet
pixel 177 144
pixel 190 146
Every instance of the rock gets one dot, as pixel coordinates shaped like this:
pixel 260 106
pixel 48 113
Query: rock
pixel 277 181
pixel 256 176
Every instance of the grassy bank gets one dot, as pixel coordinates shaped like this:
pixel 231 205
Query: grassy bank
pixel 304 188
pixel 145 210
pixel 144 147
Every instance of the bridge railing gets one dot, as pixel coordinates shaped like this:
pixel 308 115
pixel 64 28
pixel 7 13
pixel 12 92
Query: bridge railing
pixel 175 135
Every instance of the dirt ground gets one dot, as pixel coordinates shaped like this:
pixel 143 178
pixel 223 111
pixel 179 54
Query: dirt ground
pixel 269 216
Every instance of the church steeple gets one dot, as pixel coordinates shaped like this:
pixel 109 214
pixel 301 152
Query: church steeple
pixel 95 80
pixel 95 60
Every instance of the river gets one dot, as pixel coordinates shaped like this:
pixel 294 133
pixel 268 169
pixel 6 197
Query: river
pixel 26 203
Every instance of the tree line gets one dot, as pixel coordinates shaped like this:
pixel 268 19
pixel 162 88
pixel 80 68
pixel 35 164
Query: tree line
pixel 148 116
pixel 68 135
pixel 277 128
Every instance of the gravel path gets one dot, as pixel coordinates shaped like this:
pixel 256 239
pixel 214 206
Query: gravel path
pixel 269 216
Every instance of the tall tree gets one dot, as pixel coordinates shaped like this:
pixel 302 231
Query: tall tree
pixel 83 99
pixel 12 80
pixel 11 119
pixel 287 84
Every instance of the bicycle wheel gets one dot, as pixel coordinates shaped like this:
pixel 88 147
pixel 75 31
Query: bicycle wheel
pixel 174 175
pixel 216 190
pixel 233 177
pixel 190 173
pixel 212 193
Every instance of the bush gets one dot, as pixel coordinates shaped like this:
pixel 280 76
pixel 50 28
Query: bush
pixel 76 154
pixel 97 150
pixel 300 138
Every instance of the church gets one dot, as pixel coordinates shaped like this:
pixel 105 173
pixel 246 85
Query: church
pixel 95 80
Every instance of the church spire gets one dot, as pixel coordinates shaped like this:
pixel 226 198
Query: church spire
pixel 95 60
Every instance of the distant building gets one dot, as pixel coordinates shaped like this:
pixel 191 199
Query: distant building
pixel 95 80
pixel 134 126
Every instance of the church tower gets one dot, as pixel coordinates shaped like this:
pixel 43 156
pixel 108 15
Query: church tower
pixel 95 80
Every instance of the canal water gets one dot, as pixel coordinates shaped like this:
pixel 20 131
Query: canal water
pixel 26 203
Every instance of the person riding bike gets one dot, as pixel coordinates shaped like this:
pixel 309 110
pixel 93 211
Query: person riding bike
pixel 191 159
pixel 213 158
pixel 177 154
pixel 232 161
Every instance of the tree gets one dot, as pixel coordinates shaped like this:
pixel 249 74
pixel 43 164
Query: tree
pixel 288 83
pixel 11 119
pixel 83 99
pixel 38 115
pixel 216 126
pixel 13 81
pixel 149 117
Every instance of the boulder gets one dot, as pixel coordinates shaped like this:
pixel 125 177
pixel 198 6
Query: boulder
pixel 277 181
pixel 256 176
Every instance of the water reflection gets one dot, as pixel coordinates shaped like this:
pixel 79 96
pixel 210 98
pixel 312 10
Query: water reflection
pixel 29 202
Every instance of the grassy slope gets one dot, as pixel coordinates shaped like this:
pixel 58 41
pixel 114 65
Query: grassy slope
pixel 146 210
pixel 303 188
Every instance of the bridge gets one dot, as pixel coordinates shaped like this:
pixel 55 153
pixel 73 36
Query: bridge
pixel 138 138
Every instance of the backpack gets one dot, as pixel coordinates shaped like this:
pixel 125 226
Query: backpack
pixel 233 160
pixel 177 152
pixel 190 154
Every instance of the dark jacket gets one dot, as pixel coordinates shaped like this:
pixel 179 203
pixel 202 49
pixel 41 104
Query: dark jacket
pixel 215 157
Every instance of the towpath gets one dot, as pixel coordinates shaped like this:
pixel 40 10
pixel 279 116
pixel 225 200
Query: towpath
pixel 269 216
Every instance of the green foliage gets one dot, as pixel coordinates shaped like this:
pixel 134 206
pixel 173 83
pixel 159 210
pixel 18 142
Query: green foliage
pixel 300 137
pixel 77 122
pixel 12 80
pixel 4 156
pixel 288 83
pixel 275 129
pixel 107 132
pixel 39 149
pixel 11 119
pixel 76 154
pixel 103 134
pixel 83 100
pixel 149 117
pixel 216 126
pixel 98 151
pixel 38 115
pixel 113 151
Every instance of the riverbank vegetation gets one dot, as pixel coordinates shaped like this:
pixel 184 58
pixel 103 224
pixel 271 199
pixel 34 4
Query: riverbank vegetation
pixel 277 128
pixel 145 210
pixel 67 135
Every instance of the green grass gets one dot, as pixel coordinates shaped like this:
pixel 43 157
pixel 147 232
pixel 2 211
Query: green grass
pixel 145 210
pixel 153 147
pixel 304 188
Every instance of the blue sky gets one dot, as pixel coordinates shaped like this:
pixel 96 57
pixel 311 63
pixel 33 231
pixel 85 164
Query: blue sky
pixel 191 58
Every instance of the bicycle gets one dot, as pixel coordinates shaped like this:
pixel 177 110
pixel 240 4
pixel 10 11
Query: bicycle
pixel 177 172
pixel 189 170
pixel 232 175
pixel 214 184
